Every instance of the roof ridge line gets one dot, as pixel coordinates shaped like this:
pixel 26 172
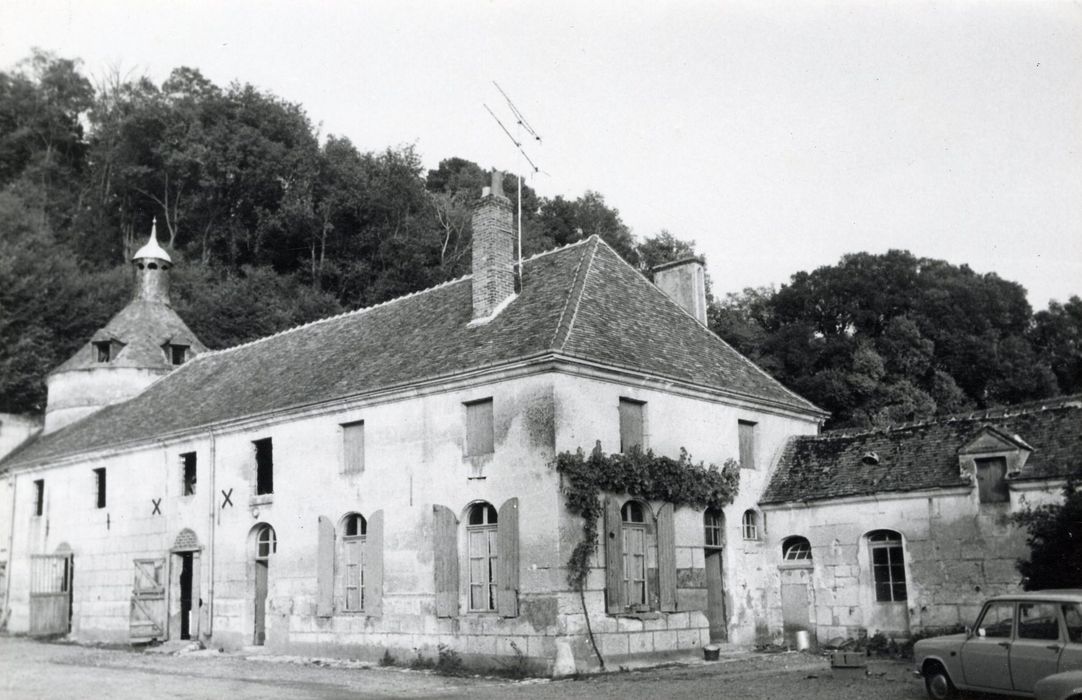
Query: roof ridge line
pixel 716 337
pixel 325 319
pixel 578 288
pixel 558 249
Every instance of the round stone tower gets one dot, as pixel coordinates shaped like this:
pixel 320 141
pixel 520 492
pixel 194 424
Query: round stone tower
pixel 146 340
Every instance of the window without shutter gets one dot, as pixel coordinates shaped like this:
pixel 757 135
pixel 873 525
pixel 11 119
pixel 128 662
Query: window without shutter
pixel 264 466
pixel 631 415
pixel 353 447
pixel 747 444
pixel 479 440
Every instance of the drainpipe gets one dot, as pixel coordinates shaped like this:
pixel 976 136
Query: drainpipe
pixel 11 552
pixel 212 499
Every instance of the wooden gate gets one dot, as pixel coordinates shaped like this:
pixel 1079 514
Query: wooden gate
pixel 50 594
pixel 148 611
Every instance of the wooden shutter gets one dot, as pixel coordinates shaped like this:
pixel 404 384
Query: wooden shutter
pixel 325 569
pixel 666 558
pixel 507 546
pixel 614 558
pixel 445 541
pixel 479 438
pixel 373 566
pixel 746 430
pixel 353 447
pixel 630 424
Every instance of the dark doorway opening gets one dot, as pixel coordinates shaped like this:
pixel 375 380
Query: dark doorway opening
pixel 185 595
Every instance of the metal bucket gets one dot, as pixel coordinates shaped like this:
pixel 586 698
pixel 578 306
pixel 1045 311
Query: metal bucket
pixel 711 652
pixel 803 640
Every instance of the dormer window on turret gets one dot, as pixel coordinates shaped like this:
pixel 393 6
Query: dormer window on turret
pixel 107 350
pixel 175 354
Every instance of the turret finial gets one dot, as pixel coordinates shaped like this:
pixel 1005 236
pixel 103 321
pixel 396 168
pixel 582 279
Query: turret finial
pixel 152 249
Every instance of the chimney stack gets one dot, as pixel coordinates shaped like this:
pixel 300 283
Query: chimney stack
pixel 493 250
pixel 684 281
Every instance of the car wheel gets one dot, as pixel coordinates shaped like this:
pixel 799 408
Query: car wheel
pixel 938 683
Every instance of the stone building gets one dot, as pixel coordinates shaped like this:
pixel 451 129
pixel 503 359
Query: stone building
pixel 907 529
pixel 382 480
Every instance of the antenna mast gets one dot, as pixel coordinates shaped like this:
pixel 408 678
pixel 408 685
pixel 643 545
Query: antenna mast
pixel 520 119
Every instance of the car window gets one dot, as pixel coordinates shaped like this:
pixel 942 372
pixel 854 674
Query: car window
pixel 1072 615
pixel 1038 621
pixel 997 620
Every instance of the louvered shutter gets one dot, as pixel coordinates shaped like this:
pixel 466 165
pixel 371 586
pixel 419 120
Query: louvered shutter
pixel 325 569
pixel 373 566
pixel 507 546
pixel 445 541
pixel 614 558
pixel 666 558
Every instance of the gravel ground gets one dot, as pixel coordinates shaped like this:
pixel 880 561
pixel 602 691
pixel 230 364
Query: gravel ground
pixel 30 669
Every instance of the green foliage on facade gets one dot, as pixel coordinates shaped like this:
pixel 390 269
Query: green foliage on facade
pixel 642 475
pixel 1054 536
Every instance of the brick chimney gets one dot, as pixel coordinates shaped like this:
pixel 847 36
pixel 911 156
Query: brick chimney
pixel 684 281
pixel 493 250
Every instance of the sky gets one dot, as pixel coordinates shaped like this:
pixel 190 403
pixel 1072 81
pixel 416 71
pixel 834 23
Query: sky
pixel 778 136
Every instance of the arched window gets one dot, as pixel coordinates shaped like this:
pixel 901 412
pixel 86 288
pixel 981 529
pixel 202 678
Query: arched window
pixel 633 519
pixel 481 543
pixel 750 524
pixel 714 528
pixel 354 529
pixel 796 549
pixel 888 566
pixel 266 543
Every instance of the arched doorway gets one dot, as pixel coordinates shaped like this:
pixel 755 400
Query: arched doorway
pixel 713 549
pixel 184 602
pixel 265 545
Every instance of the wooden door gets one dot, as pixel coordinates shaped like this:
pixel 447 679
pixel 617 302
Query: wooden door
pixel 148 610
pixel 794 609
pixel 260 635
pixel 50 594
pixel 715 596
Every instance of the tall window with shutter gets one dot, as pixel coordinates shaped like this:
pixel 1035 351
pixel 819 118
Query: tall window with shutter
pixel 631 424
pixel 631 533
pixel 353 447
pixel 479 428
pixel 483 553
pixel 746 431
pixel 349 576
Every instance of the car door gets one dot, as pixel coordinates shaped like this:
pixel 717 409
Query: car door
pixel 1038 642
pixel 986 654
pixel 1070 659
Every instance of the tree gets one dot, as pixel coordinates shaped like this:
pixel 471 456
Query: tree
pixel 1057 338
pixel 1054 536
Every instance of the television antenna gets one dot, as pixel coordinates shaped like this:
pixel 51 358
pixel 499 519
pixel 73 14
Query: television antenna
pixel 522 124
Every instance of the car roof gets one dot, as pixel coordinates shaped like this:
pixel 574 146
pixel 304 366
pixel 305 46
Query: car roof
pixel 1061 594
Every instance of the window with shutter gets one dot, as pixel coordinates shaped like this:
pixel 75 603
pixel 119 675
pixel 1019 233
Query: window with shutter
pixel 507 534
pixel 666 558
pixel 483 552
pixel 353 447
pixel 445 551
pixel 614 558
pixel 992 480
pixel 325 568
pixel 631 424
pixel 633 529
pixel 746 430
pixel 479 429
pixel 354 533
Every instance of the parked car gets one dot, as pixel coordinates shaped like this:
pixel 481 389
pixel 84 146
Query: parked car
pixel 1060 686
pixel 1017 641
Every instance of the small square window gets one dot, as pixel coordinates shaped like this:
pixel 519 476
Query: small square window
pixel 751 525
pixel 479 428
pixel 99 484
pixel 103 351
pixel 188 469
pixel 177 353
pixel 264 466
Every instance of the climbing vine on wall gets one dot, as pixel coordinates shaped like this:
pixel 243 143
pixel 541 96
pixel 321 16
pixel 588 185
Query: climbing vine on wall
pixel 641 474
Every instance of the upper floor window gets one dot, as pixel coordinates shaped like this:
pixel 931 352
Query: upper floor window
pixel 479 428
pixel 888 566
pixel 175 354
pixel 264 466
pixel 746 430
pixel 714 527
pixel 481 543
pixel 750 525
pixel 103 351
pixel 188 469
pixel 992 480
pixel 796 549
pixel 39 496
pixel 99 486
pixel 631 424
pixel 353 447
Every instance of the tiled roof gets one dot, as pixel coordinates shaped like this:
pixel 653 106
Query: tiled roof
pixel 143 327
pixel 581 301
pixel 922 456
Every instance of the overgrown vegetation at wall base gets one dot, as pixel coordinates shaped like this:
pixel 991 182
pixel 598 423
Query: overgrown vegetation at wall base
pixel 640 474
pixel 1055 541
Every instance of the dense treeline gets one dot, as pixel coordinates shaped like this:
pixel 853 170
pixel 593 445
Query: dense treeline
pixel 276 226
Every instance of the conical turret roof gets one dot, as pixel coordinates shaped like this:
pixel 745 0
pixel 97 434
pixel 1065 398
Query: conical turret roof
pixel 151 249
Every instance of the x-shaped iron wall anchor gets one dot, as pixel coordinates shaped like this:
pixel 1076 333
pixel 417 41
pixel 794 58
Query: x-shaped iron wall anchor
pixel 227 495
